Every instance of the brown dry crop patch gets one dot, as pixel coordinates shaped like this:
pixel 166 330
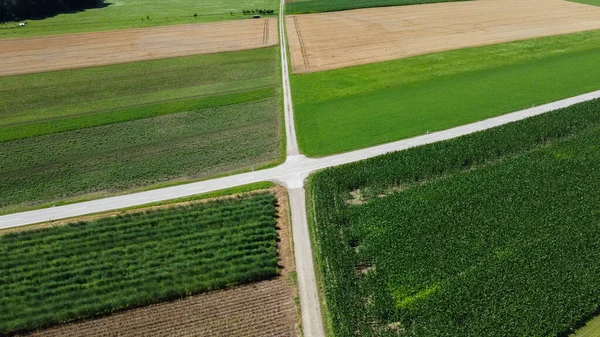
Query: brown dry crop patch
pixel 260 309
pixel 334 40
pixel 32 55
pixel 264 308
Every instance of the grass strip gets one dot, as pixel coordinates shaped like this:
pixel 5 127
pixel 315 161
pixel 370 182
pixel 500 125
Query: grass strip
pixel 316 6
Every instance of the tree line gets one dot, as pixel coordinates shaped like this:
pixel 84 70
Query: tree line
pixel 258 11
pixel 13 10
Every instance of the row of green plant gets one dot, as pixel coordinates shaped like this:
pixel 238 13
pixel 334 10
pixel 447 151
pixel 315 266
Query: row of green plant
pixel 86 269
pixel 86 133
pixel 258 11
pixel 91 119
pixel 351 108
pixel 493 233
pixel 315 6
pixel 101 160
pixel 44 97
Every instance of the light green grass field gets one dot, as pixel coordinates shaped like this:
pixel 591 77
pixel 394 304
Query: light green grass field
pixel 351 108
pixel 122 14
pixel 315 6
pixel 590 329
pixel 98 131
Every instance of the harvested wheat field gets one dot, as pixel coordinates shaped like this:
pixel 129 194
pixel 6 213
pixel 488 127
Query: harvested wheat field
pixel 334 40
pixel 31 55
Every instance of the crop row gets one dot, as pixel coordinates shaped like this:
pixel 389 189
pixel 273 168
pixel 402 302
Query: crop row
pixel 488 234
pixel 146 223
pixel 93 268
pixel 97 118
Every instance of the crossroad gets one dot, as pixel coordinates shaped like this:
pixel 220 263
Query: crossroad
pixel 290 174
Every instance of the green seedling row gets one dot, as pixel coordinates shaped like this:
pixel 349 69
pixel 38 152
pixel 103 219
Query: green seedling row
pixel 88 269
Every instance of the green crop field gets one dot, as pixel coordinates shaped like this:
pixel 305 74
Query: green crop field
pixel 103 130
pixel 85 269
pixel 122 14
pixel 490 234
pixel 356 107
pixel 315 6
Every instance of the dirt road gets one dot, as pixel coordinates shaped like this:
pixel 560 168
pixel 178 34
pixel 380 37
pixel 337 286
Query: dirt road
pixel 341 39
pixel 31 55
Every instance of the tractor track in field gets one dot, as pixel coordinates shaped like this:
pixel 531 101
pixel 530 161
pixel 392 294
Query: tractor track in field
pixel 301 42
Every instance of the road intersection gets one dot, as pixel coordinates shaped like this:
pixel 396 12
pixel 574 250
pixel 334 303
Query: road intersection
pixel 291 174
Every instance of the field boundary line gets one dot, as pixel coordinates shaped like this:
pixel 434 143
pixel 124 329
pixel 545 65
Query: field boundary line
pixel 288 107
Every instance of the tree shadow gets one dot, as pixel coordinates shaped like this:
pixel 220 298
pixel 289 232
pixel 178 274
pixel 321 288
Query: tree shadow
pixel 40 9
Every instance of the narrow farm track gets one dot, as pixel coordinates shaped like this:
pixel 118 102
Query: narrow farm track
pixel 33 55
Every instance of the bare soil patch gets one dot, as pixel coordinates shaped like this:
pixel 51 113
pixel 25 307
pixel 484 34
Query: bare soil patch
pixel 32 55
pixel 261 309
pixel 264 308
pixel 334 40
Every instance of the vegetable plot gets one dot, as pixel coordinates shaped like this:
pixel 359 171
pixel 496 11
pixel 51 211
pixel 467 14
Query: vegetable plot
pixel 66 273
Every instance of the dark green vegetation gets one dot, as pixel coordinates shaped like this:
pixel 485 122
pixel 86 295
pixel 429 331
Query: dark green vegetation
pixel 315 6
pixel 11 10
pixel 108 129
pixel 351 108
pixel 65 273
pixel 121 14
pixel 491 234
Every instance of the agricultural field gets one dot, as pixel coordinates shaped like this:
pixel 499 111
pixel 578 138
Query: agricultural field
pixel 350 108
pixel 93 268
pixel 315 6
pixel 263 308
pixel 78 134
pixel 335 40
pixel 33 55
pixel 494 233
pixel 126 14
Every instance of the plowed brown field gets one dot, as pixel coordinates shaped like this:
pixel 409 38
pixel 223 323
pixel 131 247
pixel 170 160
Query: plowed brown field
pixel 264 308
pixel 341 39
pixel 31 55
pixel 260 309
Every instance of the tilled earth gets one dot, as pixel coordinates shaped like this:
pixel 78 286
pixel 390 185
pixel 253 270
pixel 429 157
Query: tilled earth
pixel 260 309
